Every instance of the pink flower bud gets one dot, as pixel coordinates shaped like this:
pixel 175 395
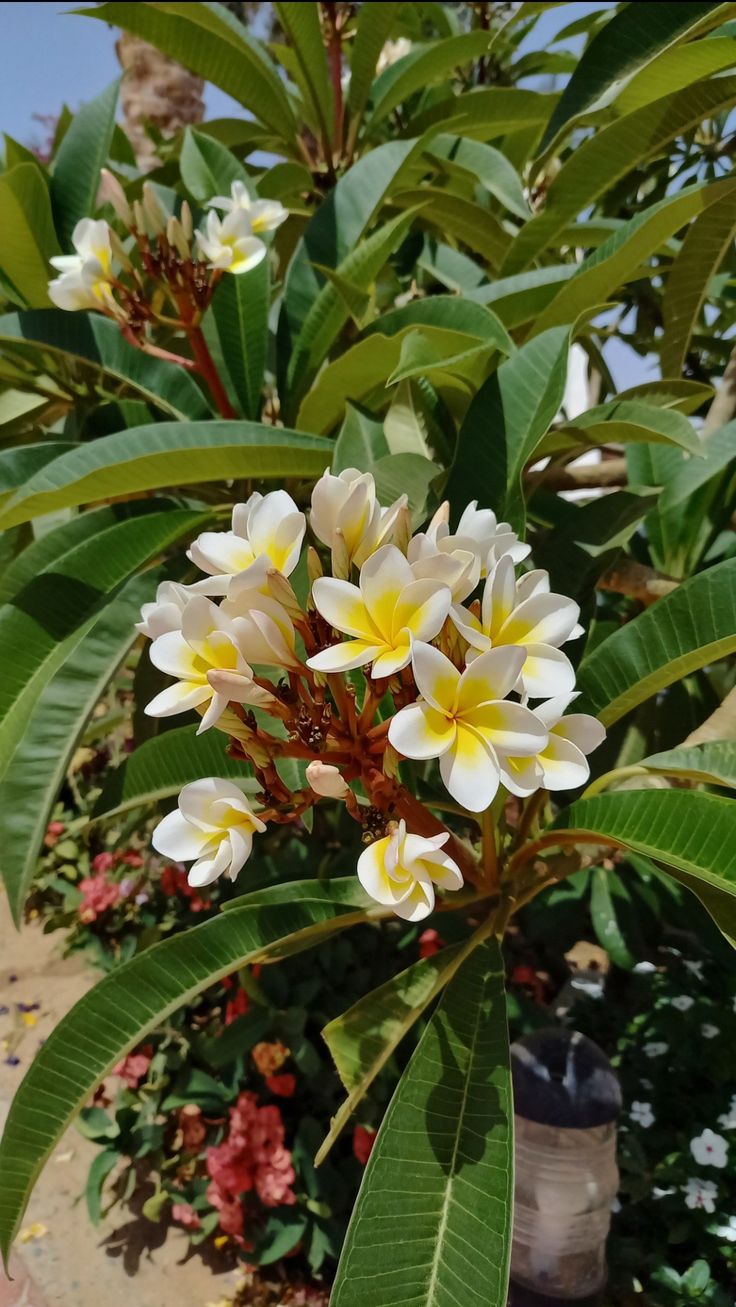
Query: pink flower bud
pixel 326 780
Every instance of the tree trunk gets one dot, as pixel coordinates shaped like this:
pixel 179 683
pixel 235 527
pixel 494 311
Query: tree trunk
pixel 155 90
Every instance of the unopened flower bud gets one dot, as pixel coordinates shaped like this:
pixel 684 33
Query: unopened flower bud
pixel 314 566
pixel 402 528
pixel 441 516
pixel 185 218
pixel 111 192
pixel 326 780
pixel 391 762
pixel 118 250
pixel 139 220
pixel 340 556
pixel 154 210
pixel 175 236
pixel 282 590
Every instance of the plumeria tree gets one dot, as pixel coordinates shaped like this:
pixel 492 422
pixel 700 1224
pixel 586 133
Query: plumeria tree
pixel 415 634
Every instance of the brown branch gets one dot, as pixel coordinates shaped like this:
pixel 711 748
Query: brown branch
pixel 587 476
pixel 723 405
pixel 207 370
pixel 636 581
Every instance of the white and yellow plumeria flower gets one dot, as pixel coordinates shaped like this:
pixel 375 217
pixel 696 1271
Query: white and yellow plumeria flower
pixel 563 762
pixel 401 871
pixel 206 644
pixel 267 526
pixel 347 517
pixel 389 610
pixel 325 779
pixel 85 276
pixel 263 215
pixel 478 532
pixel 214 824
pixel 229 244
pixel 439 560
pixel 466 721
pixel 524 614
pixel 164 614
pixel 265 632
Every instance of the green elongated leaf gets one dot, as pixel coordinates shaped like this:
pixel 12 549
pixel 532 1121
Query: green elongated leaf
pixel 29 239
pixel 35 775
pixel 685 396
pixel 363 1039
pixel 102 1164
pixel 372 30
pixel 476 226
pixel 82 154
pixel 487 165
pixel 212 43
pixel 686 829
pixel 624 421
pixel 208 168
pixel 89 352
pixel 609 900
pixel 170 453
pixel 632 38
pixel 449 312
pixel 240 312
pixel 451 1123
pixel 719 451
pixel 713 763
pixel 421 67
pixel 486 113
pixel 361 441
pixel 720 904
pixel 705 246
pixel 301 24
pixel 46 620
pixel 576 550
pixel 689 628
pixel 623 254
pixel 451 268
pixel 17 465
pixel 522 298
pixel 675 69
pixel 121 1009
pixel 504 424
pixel 423 356
pixel 161 766
pixel 343 891
pixel 597 164
pixel 408 474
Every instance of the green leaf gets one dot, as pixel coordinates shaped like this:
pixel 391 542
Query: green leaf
pixel 126 1005
pixel 208 168
pixel 101 1167
pixel 409 474
pixel 169 453
pixel 689 628
pixel 686 829
pixel 469 222
pixel 720 904
pixel 624 421
pixel 301 23
pixel 373 25
pixel 609 901
pixel 159 768
pixel 522 298
pixel 486 113
pixel 212 43
pixel 688 475
pixel 449 312
pixel 621 48
pixel 421 67
pixel 363 1039
pixel 597 164
pixel 82 154
pixel 240 311
pixel 29 239
pixel 713 763
pixel 487 166
pixel 675 69
pixel 89 354
pixel 504 424
pixel 46 620
pixel 450 1122
pixel 343 891
pixel 361 441
pixel 43 551
pixel 17 465
pixel 575 550
pixel 35 775
pixel 704 248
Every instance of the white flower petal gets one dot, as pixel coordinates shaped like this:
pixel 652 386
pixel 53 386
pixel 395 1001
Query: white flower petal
pixel 491 676
pixel 470 771
pixel 547 671
pixel 419 731
pixel 342 605
pixel 437 678
pixel 345 657
pixel 178 839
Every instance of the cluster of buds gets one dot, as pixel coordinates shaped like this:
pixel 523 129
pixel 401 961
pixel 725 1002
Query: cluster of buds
pixel 161 257
pixel 424 646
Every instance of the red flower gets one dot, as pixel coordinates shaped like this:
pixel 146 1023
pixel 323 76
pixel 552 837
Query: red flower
pixel 236 1007
pixel 53 831
pixel 363 1141
pixel 174 881
pixel 134 1067
pixel 103 862
pixel 132 859
pixel 192 1127
pixel 430 942
pixel 98 894
pixel 269 1057
pixel 185 1214
pixel 284 1085
pixel 252 1157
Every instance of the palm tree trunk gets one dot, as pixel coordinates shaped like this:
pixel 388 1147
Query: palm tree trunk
pixel 155 90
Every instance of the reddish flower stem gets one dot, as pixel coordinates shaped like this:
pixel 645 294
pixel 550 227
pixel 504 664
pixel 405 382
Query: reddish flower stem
pixel 207 370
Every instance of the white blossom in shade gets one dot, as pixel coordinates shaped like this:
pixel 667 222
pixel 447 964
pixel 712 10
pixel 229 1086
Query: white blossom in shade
pixel 709 1149
pixel 213 826
pixel 85 275
pixel 727 1231
pixel 384 615
pixel 458 569
pixel 347 517
pixel 466 721
pixel 264 629
pixel 401 870
pixel 526 615
pixel 392 51
pixel 480 530
pixel 325 780
pixel 701 1193
pixel 206 644
pixel 682 1002
pixel 267 526
pixel 642 1114
pixel 694 967
pixel 164 614
pixel 662 1193
pixel 263 215
pixel 479 537
pixel 228 243
pixel 655 1049
pixel 709 1031
pixel 727 1121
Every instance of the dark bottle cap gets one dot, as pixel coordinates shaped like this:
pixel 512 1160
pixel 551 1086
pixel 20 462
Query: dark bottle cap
pixel 561 1078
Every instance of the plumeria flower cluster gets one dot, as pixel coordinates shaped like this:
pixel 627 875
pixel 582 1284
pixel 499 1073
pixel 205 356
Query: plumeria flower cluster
pixel 427 647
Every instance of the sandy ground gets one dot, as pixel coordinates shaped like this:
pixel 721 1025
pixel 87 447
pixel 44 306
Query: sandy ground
pixel 65 1261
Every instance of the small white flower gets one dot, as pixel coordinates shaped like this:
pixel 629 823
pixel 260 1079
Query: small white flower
pixel 662 1193
pixel 709 1031
pixel 727 1120
pixel 701 1193
pixel 696 968
pixel 644 968
pixel 85 276
pixel 562 764
pixel 263 215
pixel 683 1002
pixel 325 780
pixel 727 1231
pixel 164 614
pixel 264 629
pixel 642 1114
pixel 655 1049
pixel 401 871
pixel 709 1149
pixel 347 517
pixel 214 824
pixel 267 526
pixel 391 51
pixel 229 244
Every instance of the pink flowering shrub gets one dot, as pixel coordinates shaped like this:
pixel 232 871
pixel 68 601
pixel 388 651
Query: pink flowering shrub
pixel 251 1157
